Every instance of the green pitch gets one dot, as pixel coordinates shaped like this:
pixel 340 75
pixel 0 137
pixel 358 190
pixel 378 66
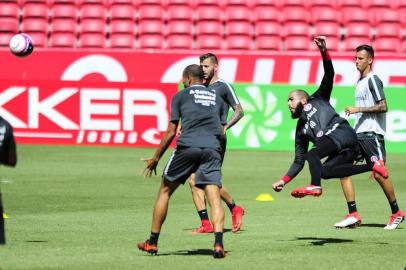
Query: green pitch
pixel 87 207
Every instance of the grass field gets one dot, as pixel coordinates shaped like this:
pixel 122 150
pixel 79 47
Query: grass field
pixel 87 207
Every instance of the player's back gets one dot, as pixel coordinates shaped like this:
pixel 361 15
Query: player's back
pixel 199 111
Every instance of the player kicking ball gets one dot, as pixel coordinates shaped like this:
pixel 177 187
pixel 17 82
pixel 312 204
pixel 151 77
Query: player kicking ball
pixel 331 135
pixel 198 150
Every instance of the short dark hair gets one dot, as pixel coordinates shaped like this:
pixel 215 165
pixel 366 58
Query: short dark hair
pixel 367 48
pixel 210 56
pixel 195 71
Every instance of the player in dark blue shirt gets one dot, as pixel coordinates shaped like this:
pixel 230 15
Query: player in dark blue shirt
pixel 330 134
pixel 8 157
pixel 198 150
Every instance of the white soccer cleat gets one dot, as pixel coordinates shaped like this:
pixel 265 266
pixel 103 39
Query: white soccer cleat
pixel 352 220
pixel 395 220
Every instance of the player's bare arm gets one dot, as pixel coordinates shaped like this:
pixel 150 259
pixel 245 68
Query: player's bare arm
pixel 237 115
pixel 152 162
pixel 380 107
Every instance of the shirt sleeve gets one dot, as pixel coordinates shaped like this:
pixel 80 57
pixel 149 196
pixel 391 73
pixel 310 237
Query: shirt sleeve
pixel 376 88
pixel 228 94
pixel 326 85
pixel 301 146
pixel 175 107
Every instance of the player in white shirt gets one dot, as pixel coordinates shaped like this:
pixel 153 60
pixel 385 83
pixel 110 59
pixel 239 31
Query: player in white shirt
pixel 370 125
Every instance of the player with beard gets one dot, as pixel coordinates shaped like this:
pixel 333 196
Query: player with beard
pixel 209 64
pixel 331 135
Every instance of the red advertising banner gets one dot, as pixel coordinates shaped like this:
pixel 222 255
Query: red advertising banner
pixel 123 98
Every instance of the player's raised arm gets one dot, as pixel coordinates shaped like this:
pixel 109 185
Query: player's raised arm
pixel 326 85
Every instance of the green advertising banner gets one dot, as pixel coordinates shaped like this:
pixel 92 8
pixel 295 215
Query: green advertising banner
pixel 267 124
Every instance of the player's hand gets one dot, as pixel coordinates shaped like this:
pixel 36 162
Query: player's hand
pixel 351 110
pixel 321 42
pixel 152 163
pixel 278 186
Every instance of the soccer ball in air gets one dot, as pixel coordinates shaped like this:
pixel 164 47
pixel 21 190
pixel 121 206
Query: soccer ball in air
pixel 21 45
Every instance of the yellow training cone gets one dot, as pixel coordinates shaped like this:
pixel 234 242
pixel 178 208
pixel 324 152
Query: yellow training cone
pixel 5 215
pixel 264 197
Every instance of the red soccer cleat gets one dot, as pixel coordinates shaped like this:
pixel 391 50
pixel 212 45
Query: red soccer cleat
pixel 205 227
pixel 236 218
pixel 352 220
pixel 395 220
pixel 218 252
pixel 145 246
pixel 309 190
pixel 379 168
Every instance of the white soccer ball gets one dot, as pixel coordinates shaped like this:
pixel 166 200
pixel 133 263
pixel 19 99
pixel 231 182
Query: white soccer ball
pixel 21 45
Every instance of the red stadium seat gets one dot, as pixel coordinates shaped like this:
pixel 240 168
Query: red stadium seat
pixel 64 11
pixel 333 44
pixel 237 13
pixel 180 28
pixel 93 26
pixel 328 29
pixel 296 14
pixel 244 3
pixel 178 12
pixel 65 40
pixel 325 14
pixel 203 3
pixel 10 9
pixel 387 16
pixel 239 28
pixel 357 15
pixel 358 30
pixel 267 14
pixel 122 11
pixel 92 11
pixel 151 42
pixel 150 2
pixel 151 27
pixel 5 38
pixel 92 2
pixel 39 39
pixel 179 2
pixel 294 3
pixel 268 29
pixel 122 2
pixel 180 42
pixel 9 25
pixel 380 4
pixel 350 43
pixel 209 42
pixel 403 46
pixel 152 12
pixel 265 3
pixel 387 44
pixel 296 29
pixel 35 10
pixel 122 27
pixel 63 25
pixel 297 43
pixel 322 3
pixel 269 43
pixel 209 13
pixel 209 28
pixel 350 3
pixel 389 30
pixel 120 40
pixel 34 25
pixel 92 40
pixel 68 2
pixel 238 42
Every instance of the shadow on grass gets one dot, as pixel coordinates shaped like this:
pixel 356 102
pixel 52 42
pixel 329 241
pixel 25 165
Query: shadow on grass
pixel 193 252
pixel 36 241
pixel 322 241
pixel 373 225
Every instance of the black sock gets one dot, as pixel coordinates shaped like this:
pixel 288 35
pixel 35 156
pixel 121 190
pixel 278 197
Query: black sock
pixel 218 238
pixel 231 205
pixel 203 214
pixel 394 206
pixel 153 238
pixel 352 207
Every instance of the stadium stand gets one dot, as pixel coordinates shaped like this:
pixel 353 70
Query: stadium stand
pixel 206 24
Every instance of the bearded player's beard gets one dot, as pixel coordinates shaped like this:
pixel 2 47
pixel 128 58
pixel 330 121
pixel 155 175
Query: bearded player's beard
pixel 298 111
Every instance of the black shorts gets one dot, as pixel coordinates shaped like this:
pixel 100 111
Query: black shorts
pixel 343 136
pixel 204 162
pixel 372 147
